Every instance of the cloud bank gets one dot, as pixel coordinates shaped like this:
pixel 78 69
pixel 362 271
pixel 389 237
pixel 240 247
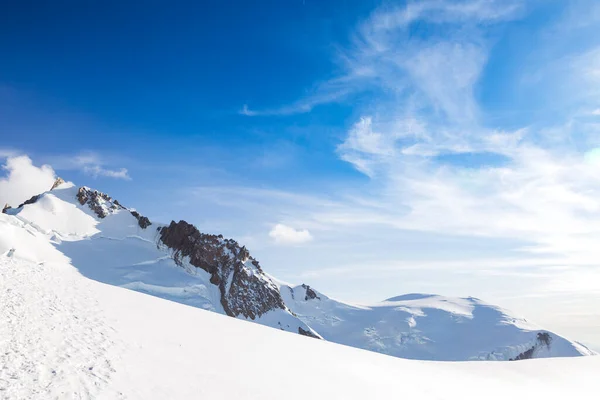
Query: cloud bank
pixel 23 180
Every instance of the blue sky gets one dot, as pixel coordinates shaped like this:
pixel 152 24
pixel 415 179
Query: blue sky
pixel 368 148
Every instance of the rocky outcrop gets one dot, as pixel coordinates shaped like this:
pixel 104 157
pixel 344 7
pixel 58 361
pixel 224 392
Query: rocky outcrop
pixel 143 222
pixel 59 181
pixel 542 339
pixel 310 294
pixel 100 203
pixel 304 332
pixel 32 200
pixel 245 289
pixel 526 355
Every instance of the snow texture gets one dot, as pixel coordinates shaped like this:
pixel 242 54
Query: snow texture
pixel 63 336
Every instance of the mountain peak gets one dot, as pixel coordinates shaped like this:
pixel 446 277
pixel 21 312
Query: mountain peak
pixel 59 181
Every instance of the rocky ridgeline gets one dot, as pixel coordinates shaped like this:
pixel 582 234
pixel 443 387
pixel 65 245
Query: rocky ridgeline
pixel 310 293
pixel 102 205
pixel 59 181
pixel 245 289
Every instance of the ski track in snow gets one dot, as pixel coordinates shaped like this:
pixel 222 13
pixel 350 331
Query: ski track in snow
pixel 54 341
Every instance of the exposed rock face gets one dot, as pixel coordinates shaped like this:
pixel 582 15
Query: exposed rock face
pixel 244 287
pixel 6 207
pixel 310 294
pixel 526 355
pixel 30 201
pixel 307 333
pixel 100 203
pixel 59 181
pixel 143 222
pixel 543 339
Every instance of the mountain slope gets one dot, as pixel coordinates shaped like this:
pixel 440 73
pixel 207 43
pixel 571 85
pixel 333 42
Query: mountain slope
pixel 110 243
pixel 427 327
pixel 65 336
pixel 113 244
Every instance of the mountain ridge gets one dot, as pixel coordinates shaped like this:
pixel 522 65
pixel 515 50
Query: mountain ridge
pixel 220 275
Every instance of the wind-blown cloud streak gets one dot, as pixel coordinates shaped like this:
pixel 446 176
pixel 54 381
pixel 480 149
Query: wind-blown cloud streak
pixel 91 164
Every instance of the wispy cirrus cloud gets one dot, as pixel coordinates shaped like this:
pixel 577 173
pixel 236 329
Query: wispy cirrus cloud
pixel 385 55
pixel 90 163
pixel 98 171
pixel 336 90
pixel 424 117
pixel 436 172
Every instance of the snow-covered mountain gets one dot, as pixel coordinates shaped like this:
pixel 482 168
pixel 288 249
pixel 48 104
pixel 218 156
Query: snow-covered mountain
pixel 63 336
pixel 427 327
pixel 113 244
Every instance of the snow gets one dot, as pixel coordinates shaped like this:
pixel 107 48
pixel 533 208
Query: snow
pixel 426 327
pixel 115 250
pixel 68 331
pixel 63 336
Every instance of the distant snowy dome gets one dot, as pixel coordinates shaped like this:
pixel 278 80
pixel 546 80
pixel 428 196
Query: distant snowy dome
pixel 410 296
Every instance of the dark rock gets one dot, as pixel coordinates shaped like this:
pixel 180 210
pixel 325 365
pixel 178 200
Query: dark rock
pixel 307 333
pixel 59 181
pixel 30 201
pixel 310 294
pixel 244 290
pixel 542 339
pixel 143 222
pixel 526 355
pixel 100 203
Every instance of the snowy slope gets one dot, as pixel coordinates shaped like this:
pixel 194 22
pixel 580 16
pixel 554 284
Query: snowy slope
pixel 110 243
pixel 115 249
pixel 63 336
pixel 427 327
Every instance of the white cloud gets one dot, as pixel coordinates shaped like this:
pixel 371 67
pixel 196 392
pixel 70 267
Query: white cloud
pixel 439 71
pixel 96 171
pixel 247 112
pixel 536 211
pixel 437 11
pixel 284 234
pixel 328 92
pixel 24 180
pixel 4 153
pixel 91 164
